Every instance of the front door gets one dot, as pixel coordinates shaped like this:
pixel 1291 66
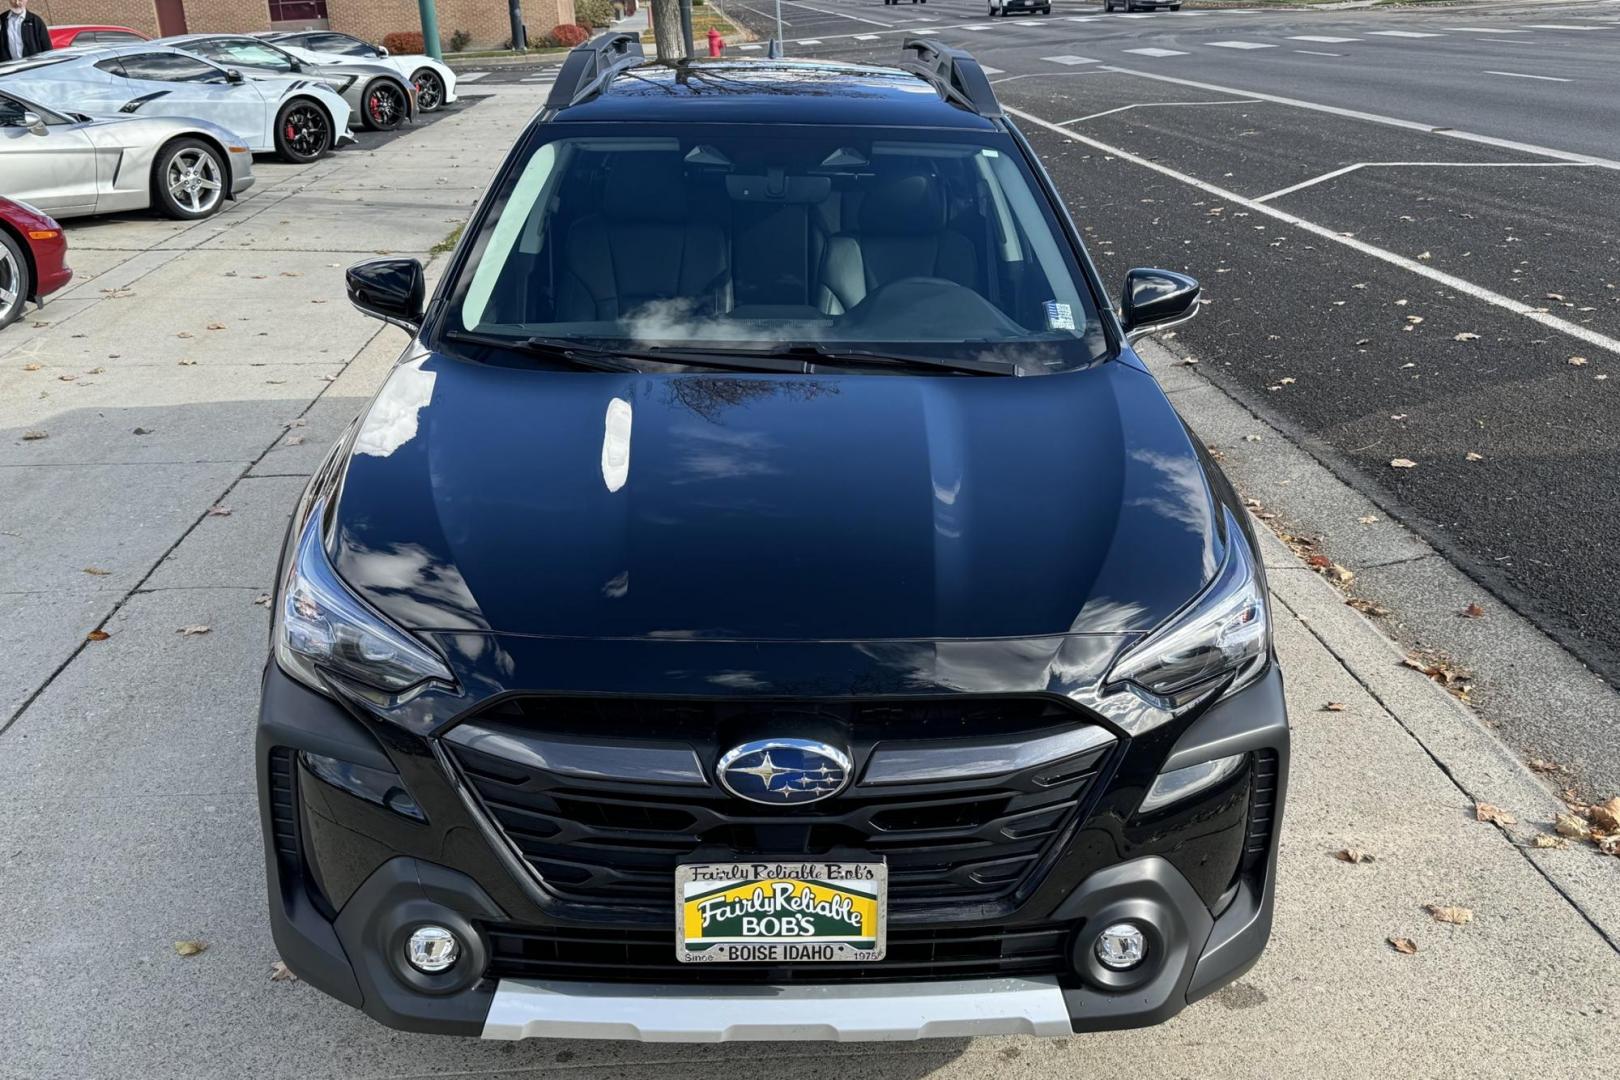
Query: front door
pixel 171 16
pixel 55 171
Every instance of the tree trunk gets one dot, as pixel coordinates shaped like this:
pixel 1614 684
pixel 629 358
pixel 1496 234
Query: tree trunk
pixel 666 27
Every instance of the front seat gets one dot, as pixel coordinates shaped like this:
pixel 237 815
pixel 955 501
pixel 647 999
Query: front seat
pixel 903 232
pixel 643 247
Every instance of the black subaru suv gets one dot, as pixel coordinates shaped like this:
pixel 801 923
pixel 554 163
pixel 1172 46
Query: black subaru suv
pixel 769 599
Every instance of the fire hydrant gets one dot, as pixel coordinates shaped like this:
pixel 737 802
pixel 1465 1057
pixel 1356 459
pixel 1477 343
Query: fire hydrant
pixel 717 44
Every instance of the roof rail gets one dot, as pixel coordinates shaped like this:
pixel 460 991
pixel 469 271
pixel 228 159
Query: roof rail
pixel 954 72
pixel 590 66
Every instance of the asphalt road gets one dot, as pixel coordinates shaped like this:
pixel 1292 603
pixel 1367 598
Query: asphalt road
pixel 1405 223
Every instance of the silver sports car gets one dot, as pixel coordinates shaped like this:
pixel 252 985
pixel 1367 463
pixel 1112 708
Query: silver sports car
pixel 70 165
pixel 295 118
pixel 382 98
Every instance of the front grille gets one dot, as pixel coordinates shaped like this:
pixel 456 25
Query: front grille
pixel 958 842
pixel 649 956
pixel 1262 810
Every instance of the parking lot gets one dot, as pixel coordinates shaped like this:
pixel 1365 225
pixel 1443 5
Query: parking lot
pixel 1376 289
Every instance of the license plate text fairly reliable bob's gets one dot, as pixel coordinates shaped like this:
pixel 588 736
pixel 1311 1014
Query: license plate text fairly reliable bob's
pixel 780 912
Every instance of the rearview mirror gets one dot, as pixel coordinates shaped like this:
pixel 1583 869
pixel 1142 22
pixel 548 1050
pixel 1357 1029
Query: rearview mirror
pixel 392 290
pixel 34 122
pixel 1155 300
pixel 232 75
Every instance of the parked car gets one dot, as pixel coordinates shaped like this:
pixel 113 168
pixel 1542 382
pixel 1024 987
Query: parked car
pixel 769 598
pixel 381 97
pixel 67 37
pixel 298 119
pixel 75 164
pixel 1141 5
pixel 1008 7
pixel 33 258
pixel 435 82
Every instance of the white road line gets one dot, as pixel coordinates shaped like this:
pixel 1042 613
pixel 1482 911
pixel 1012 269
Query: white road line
pixel 1403 33
pixel 1313 181
pixel 1313 52
pixel 978 26
pixel 839 14
pixel 1521 75
pixel 1157 52
pixel 1240 45
pixel 1451 281
pixel 749 48
pixel 471 76
pixel 1050 75
pixel 925 31
pixel 1481 30
pixel 1083 18
pixel 810 41
pixel 988 70
pixel 1376 118
pixel 1155 105
pixel 1323 40
pixel 1566 26
pixel 1136 15
pixel 866 37
pixel 1069 61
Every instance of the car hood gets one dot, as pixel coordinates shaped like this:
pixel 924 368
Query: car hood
pixel 819 508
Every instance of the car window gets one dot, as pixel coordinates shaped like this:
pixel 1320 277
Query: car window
pixel 940 242
pixel 165 67
pixel 251 54
pixel 13 109
pixel 351 46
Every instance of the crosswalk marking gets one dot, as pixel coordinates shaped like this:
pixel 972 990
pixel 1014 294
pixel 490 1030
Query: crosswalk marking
pixel 1240 44
pixel 977 26
pixel 1403 33
pixel 1482 30
pixel 1313 52
pixel 471 76
pixel 988 70
pixel 1069 61
pixel 1156 52
pixel 1521 75
pixel 1323 40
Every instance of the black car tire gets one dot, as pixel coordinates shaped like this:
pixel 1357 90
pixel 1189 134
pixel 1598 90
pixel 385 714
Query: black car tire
pixel 429 90
pixel 994 11
pixel 17 267
pixel 304 131
pixel 198 156
pixel 384 105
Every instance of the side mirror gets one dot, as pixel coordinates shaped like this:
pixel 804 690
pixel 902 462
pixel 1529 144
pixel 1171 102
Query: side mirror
pixel 34 123
pixel 232 75
pixel 1155 300
pixel 392 290
pixel 382 50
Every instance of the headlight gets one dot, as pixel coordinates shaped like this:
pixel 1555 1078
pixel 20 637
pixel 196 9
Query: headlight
pixel 1226 633
pixel 322 626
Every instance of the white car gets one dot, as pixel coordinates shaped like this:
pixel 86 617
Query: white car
pixel 435 82
pixel 298 119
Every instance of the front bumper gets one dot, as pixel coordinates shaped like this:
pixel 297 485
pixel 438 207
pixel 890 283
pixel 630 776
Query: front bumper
pixel 349 880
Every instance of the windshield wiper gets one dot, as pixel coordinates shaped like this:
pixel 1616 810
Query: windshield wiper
pixel 570 352
pixel 814 356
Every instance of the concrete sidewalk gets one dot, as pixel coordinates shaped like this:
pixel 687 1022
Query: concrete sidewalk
pixel 127 811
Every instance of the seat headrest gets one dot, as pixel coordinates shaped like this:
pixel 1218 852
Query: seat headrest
pixel 645 186
pixel 906 204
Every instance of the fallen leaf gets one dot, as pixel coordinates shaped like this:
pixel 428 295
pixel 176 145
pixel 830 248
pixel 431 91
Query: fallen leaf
pixel 97 635
pixel 1577 361
pixel 1555 296
pixel 96 571
pixel 1471 456
pixel 1368 607
pixel 32 367
pixel 188 363
pixel 34 436
pixel 185 334
pixel 1403 945
pixel 263 599
pixel 1571 826
pixel 1397 416
pixel 293 440
pixel 192 631
pixel 142 431
pixel 1542 765
pixel 1341 574
pixel 1425 256
pixel 70 378
pixel 280 972
pixel 216 326
pixel 1403 463
pixel 190 948
pixel 1285 382
pixel 1542 840
pixel 1609 845
pixel 1605 816
pixel 1456 916
pixel 219 511
pixel 1473 611
pixel 1321 562
pixel 1414 319
pixel 1353 855
pixel 1494 814
pixel 1465 336
pixel 1400 303
pixel 1367 519
pixel 1333 706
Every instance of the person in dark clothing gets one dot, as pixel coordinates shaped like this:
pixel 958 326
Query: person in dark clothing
pixel 22 33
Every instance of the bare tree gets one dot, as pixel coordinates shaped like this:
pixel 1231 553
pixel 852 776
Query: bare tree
pixel 666 27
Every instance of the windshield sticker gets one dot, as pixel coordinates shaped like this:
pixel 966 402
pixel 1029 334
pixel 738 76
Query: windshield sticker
pixel 1059 316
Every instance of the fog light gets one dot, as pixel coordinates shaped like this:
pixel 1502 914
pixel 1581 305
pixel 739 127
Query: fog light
pixel 1121 947
pixel 432 949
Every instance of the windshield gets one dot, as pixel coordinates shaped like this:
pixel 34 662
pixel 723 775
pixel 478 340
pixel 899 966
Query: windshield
pixel 906 243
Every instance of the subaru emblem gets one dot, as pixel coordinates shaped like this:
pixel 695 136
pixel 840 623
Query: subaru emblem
pixel 784 772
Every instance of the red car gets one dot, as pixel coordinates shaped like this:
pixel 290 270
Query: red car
pixel 65 37
pixel 33 258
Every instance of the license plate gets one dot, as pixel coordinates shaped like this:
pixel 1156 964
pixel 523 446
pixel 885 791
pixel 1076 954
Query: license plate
pixel 780 912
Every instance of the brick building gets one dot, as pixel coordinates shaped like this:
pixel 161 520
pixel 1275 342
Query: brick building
pixel 487 21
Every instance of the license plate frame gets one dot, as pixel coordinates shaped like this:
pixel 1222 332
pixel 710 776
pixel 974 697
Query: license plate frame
pixel 846 908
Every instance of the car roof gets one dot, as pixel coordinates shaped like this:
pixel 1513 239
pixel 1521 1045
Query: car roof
pixel 81 27
pixel 772 91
